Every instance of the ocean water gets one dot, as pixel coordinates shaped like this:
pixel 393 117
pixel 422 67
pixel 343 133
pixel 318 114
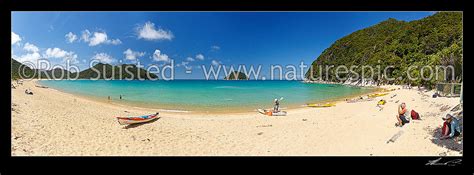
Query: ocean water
pixel 206 96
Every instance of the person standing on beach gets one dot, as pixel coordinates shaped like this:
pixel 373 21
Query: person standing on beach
pixel 276 107
pixel 109 98
pixel 401 116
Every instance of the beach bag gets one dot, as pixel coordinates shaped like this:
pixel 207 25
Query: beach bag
pixel 415 115
pixel 381 102
pixel 445 130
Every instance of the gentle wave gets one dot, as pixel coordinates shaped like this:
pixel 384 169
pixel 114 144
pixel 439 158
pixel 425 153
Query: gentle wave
pixel 229 87
pixel 174 110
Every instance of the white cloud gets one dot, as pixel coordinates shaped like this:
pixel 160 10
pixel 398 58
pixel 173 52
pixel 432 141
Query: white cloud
pixel 55 53
pixel 59 53
pixel 30 57
pixel 157 56
pixel 215 48
pixel 200 57
pixel 85 35
pixel 149 32
pixel 103 58
pixel 185 64
pixel 51 28
pixel 190 59
pixel 30 48
pixel 97 38
pixel 51 54
pixel 114 42
pixel 216 63
pixel 132 55
pixel 15 38
pixel 70 37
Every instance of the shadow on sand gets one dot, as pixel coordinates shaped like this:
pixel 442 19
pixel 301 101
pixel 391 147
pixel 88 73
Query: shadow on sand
pixel 451 144
pixel 139 124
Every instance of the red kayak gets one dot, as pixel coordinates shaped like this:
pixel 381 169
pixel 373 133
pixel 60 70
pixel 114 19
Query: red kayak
pixel 133 120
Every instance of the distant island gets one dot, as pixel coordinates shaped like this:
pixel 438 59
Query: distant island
pixel 236 76
pixel 111 72
pixel 434 40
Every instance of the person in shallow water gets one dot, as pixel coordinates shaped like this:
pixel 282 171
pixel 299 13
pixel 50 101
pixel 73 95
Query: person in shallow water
pixel 276 107
pixel 401 116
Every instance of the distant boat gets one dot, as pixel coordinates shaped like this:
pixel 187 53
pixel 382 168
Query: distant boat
pixel 134 120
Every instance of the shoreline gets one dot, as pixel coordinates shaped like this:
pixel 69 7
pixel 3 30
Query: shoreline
pixel 54 123
pixel 142 105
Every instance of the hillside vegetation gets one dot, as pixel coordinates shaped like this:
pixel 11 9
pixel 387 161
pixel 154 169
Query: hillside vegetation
pixel 100 71
pixel 434 40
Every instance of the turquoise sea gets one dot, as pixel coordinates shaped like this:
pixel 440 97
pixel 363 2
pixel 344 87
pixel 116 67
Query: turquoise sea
pixel 205 96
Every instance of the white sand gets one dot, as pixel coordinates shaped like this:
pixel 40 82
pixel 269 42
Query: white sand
pixel 51 122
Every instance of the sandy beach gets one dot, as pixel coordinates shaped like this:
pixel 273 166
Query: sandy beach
pixel 54 123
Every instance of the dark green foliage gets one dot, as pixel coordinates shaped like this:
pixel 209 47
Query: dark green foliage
pixel 434 40
pixel 19 69
pixel 232 76
pixel 106 71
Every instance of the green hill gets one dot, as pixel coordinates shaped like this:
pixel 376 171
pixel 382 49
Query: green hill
pixel 18 69
pixel 434 40
pixel 107 71
pixel 99 70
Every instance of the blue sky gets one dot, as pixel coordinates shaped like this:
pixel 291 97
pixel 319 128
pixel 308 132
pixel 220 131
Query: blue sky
pixel 190 39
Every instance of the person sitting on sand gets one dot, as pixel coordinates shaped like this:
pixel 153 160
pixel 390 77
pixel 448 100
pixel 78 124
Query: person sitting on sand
pixel 276 107
pixel 453 127
pixel 27 91
pixel 401 116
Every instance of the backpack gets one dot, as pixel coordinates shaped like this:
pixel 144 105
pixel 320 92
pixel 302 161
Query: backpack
pixel 445 131
pixel 415 115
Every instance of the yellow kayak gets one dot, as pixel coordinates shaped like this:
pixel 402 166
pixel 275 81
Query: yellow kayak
pixel 377 95
pixel 317 105
pixel 388 90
